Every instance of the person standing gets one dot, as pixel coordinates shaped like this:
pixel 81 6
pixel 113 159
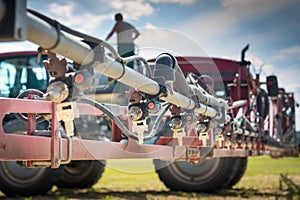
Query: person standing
pixel 126 34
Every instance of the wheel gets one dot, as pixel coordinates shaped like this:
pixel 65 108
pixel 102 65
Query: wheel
pixel 20 181
pixel 24 117
pixel 81 174
pixel 15 126
pixel 238 170
pixel 206 176
pixel 16 180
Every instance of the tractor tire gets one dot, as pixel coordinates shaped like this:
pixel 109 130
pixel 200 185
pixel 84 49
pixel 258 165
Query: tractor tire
pixel 16 180
pixel 238 170
pixel 206 176
pixel 17 127
pixel 81 174
pixel 20 181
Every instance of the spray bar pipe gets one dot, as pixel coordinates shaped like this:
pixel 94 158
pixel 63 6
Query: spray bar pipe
pixel 45 35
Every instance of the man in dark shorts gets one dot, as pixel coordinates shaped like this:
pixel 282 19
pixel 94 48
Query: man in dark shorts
pixel 126 34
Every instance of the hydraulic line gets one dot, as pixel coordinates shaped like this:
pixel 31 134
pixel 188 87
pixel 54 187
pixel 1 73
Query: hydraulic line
pixel 118 122
pixel 64 28
pixel 45 35
pixel 133 58
pixel 157 121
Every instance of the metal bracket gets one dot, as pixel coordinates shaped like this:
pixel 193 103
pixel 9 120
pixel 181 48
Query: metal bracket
pixel 67 112
pixel 179 134
pixel 220 140
pixel 58 161
pixel 140 127
pixel 203 137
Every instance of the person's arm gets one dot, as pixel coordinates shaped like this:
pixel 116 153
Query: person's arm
pixel 112 31
pixel 137 34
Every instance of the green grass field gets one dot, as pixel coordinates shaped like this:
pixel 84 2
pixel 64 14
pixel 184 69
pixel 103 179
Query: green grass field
pixel 265 178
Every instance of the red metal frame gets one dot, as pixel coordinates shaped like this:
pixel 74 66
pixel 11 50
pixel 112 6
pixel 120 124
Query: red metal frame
pixel 18 54
pixel 40 148
pixel 53 150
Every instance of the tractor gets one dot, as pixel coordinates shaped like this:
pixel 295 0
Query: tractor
pixel 198 118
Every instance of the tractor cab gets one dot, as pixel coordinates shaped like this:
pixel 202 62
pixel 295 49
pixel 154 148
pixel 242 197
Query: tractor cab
pixel 20 71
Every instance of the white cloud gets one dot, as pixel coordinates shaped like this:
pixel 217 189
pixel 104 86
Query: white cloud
pixel 253 8
pixel 158 40
pixel 133 9
pixel 293 52
pixel 86 21
pixel 286 78
pixel 223 21
pixel 184 2
pixel 289 79
pixel 260 66
pixel 64 12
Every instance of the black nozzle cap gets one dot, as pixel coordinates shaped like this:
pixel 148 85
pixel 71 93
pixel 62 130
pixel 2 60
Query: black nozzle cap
pixel 165 60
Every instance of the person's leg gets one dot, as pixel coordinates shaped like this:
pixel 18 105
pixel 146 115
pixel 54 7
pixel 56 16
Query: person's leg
pixel 126 50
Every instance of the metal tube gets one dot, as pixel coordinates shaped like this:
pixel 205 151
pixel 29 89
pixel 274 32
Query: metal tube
pixel 128 76
pixel 180 83
pixel 139 58
pixel 43 34
pixel 206 110
pixel 208 99
pixel 179 100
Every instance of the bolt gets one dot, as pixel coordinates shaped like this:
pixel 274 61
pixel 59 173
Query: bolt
pixel 57 162
pixel 20 33
pixel 58 134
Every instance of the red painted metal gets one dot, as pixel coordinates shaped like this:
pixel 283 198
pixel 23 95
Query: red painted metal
pixel 18 54
pixel 24 147
pixel 116 133
pixel 55 134
pixel 40 148
pixel 236 77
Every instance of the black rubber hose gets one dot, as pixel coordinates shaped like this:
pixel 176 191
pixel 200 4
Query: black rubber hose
pixel 65 28
pixel 117 120
pixel 23 117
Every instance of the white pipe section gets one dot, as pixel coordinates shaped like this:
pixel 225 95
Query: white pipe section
pixel 136 80
pixel 206 110
pixel 179 100
pixel 180 83
pixel 43 34
pixel 128 76
pixel 208 99
pixel 237 104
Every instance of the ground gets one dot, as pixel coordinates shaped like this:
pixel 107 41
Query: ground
pixel 265 178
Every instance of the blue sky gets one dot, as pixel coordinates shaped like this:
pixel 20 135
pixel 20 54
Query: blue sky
pixel 220 28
